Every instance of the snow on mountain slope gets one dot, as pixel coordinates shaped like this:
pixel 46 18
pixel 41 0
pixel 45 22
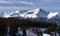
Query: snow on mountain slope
pixel 36 11
pixel 24 15
pixel 14 14
pixel 52 14
pixel 54 18
pixel 7 14
pixel 31 14
pixel 34 14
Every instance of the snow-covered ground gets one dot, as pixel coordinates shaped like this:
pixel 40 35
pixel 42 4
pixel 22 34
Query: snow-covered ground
pixel 30 33
pixel 46 35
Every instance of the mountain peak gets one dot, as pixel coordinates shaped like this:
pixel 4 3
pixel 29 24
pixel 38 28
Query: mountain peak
pixel 36 11
pixel 38 14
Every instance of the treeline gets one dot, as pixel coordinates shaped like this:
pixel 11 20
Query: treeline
pixel 8 22
pixel 14 23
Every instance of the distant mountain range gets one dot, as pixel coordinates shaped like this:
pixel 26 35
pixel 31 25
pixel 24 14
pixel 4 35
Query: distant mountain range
pixel 37 14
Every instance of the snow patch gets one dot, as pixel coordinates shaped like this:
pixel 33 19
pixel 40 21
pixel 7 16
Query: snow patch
pixel 46 35
pixel 52 14
pixel 7 14
pixel 36 11
pixel 33 15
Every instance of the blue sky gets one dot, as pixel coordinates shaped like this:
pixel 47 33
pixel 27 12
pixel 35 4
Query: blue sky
pixel 48 5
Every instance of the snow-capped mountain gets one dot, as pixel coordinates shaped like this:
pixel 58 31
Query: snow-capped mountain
pixel 25 14
pixel 18 13
pixel 38 13
pixel 54 17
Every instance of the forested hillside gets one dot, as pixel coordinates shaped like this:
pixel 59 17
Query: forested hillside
pixel 14 23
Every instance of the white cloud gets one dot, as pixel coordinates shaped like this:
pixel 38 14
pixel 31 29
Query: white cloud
pixel 24 2
pixel 7 2
pixel 51 1
pixel 18 2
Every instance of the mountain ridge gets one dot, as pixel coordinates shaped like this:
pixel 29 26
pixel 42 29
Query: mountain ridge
pixel 34 14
